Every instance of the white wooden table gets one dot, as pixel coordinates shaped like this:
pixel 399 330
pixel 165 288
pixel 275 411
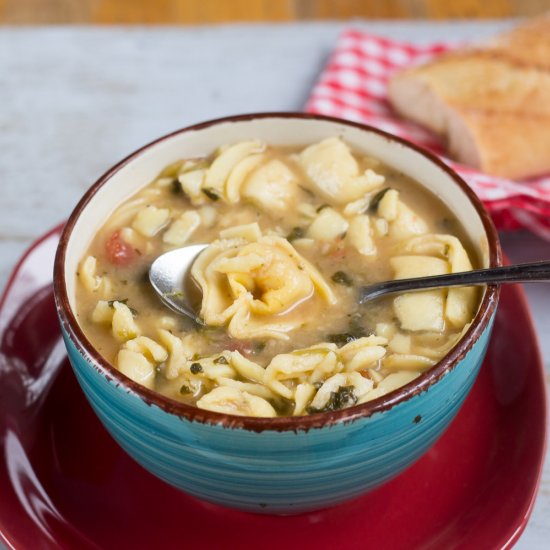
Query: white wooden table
pixel 75 100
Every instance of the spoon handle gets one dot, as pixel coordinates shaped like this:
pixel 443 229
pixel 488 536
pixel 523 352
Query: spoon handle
pixel 518 273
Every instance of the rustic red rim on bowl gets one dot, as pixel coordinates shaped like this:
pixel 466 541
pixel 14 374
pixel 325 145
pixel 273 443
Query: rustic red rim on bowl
pixel 420 384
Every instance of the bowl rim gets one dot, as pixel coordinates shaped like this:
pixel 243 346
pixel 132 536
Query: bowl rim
pixel 287 423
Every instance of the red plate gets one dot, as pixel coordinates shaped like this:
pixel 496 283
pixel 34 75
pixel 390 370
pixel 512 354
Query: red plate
pixel 64 483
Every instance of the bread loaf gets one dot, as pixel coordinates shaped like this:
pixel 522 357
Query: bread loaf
pixel 490 102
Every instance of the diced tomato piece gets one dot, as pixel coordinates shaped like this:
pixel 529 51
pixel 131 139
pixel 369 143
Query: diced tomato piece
pixel 338 254
pixel 118 251
pixel 244 347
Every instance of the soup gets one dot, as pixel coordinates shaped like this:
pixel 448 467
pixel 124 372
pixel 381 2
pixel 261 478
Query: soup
pixel 293 234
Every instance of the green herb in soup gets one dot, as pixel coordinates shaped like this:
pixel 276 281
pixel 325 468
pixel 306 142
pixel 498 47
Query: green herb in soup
pixel 293 234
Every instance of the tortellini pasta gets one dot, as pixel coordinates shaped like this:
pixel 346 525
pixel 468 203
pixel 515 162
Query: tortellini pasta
pixel 137 359
pixel 150 220
pixel 123 325
pixel 292 235
pixel 220 169
pixel 430 310
pixel 242 171
pixel 247 284
pixel 334 172
pixel 271 187
pixel 327 226
pixel 137 367
pixel 402 222
pixel 231 400
pixel 181 229
pixel 359 235
pixel 91 281
pixel 290 374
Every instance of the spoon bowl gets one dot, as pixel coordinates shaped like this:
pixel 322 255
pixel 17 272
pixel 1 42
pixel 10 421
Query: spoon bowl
pixel 170 276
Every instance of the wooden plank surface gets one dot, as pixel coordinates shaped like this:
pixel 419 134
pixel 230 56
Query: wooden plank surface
pixel 30 12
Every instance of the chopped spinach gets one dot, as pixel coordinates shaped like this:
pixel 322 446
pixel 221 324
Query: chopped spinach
pixel 342 338
pixel 375 201
pixel 195 368
pixel 356 325
pixel 111 304
pixel 339 399
pixel 210 193
pixel 342 278
pixel 259 347
pixel 296 233
pixel 176 187
pixel 355 331
pixel 343 397
pixel 185 389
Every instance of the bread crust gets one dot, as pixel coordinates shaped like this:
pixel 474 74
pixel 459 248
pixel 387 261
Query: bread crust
pixel 491 103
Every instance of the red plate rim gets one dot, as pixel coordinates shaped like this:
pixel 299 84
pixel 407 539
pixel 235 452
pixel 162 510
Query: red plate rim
pixel 510 534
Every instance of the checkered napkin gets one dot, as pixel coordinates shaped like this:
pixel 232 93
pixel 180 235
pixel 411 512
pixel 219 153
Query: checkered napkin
pixel 354 86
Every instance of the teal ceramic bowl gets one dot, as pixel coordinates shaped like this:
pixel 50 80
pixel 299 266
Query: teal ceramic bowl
pixel 281 465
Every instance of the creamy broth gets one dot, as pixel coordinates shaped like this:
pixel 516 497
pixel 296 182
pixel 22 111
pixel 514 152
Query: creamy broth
pixel 299 343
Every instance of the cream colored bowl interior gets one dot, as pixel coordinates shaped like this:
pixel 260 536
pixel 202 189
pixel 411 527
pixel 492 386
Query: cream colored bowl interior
pixel 143 168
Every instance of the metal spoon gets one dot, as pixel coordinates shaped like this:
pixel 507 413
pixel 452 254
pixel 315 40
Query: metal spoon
pixel 518 273
pixel 170 277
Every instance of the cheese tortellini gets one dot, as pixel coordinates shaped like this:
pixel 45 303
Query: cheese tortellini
pixel 431 310
pixel 247 285
pixel 292 235
pixel 335 173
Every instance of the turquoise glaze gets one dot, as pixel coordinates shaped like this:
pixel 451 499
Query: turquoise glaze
pixel 270 471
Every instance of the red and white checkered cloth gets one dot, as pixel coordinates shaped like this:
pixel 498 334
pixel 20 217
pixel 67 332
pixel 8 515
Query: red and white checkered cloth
pixel 354 86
